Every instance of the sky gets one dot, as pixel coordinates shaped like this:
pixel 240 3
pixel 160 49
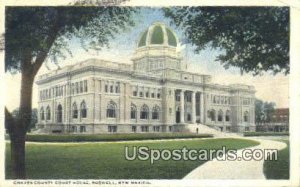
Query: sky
pixel 268 87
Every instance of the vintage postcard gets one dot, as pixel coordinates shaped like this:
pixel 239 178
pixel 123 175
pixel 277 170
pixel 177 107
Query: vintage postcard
pixel 136 93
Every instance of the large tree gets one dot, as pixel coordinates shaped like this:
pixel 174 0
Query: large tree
pixel 34 34
pixel 254 39
pixel 263 111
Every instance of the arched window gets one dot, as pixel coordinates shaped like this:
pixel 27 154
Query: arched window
pixel 133 112
pixel 155 112
pixel 75 111
pixel 144 112
pixel 42 114
pixel 48 113
pixel 220 115
pixel 59 114
pixel 246 116
pixel 213 115
pixel 227 116
pixel 83 110
pixel 111 110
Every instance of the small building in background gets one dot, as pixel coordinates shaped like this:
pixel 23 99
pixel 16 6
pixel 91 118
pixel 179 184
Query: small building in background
pixel 279 122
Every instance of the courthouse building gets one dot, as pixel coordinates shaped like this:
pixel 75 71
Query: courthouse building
pixel 153 94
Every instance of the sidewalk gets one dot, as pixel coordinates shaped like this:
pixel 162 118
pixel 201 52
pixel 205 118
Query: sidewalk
pixel 235 169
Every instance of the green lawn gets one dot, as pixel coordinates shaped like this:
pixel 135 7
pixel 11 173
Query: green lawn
pixel 279 169
pixel 107 160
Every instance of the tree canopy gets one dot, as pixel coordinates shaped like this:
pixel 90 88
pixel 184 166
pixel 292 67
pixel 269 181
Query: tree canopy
pixel 34 33
pixel 254 39
pixel 263 111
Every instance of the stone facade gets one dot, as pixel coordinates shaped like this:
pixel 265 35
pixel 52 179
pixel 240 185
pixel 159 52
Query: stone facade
pixel 154 94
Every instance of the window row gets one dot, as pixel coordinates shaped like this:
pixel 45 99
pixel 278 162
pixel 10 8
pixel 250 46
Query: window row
pixel 46 115
pixel 146 92
pixel 143 128
pixel 224 100
pixel 112 87
pixel 144 112
pixel 75 112
pixel 56 91
pixel 187 97
pixel 82 129
pixel 79 87
pixel 82 109
pixel 246 101
pixel 211 114
pixel 111 111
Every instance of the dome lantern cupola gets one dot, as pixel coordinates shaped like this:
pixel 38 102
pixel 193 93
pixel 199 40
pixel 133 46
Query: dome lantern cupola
pixel 157 50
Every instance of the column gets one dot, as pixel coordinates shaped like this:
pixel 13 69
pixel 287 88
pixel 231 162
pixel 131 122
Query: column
pixel 182 106
pixel 193 107
pixel 202 107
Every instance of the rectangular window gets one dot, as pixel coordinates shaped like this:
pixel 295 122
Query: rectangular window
pixel 144 128
pixel 134 93
pixel 112 129
pixel 106 88
pixel 188 98
pixel 141 94
pixel 133 114
pixel 133 128
pixel 152 95
pixel 82 129
pixel 77 87
pixel 147 94
pixel 81 86
pixel 111 89
pixel 85 86
pixel 158 94
pixel 170 129
pixel 117 89
pixel 72 88
pixel 73 129
pixel 156 128
pixel 177 97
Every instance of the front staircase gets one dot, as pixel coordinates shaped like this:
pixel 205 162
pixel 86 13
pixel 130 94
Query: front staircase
pixel 203 129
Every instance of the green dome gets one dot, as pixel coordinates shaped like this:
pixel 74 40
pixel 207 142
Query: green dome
pixel 158 34
pixel 143 39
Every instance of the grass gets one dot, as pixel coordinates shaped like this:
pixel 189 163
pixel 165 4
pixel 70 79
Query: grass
pixel 107 160
pixel 266 133
pixel 280 168
pixel 109 137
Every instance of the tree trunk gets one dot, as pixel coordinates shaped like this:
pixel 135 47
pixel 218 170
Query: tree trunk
pixel 17 143
pixel 19 128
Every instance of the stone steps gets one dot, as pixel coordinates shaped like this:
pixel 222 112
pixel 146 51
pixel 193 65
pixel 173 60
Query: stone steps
pixel 209 130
